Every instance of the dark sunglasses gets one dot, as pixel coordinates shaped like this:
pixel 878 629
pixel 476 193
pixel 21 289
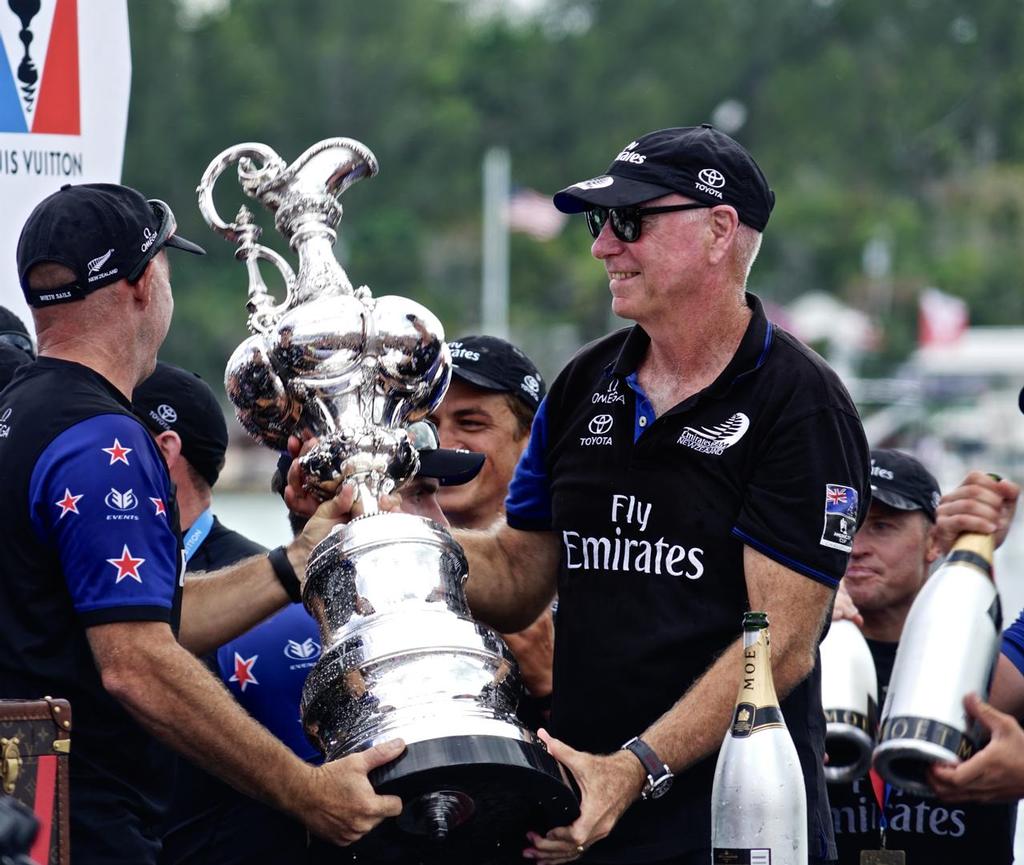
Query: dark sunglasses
pixel 626 221
pixel 155 240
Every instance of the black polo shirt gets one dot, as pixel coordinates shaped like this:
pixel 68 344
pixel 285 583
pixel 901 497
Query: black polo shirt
pixel 90 538
pixel 653 514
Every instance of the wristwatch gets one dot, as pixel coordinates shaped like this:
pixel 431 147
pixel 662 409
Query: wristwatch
pixel 659 776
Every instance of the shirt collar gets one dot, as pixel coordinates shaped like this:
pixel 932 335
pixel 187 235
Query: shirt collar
pixel 750 356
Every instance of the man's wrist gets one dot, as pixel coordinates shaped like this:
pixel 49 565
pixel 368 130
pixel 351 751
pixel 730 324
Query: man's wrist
pixel 657 775
pixel 637 773
pixel 282 562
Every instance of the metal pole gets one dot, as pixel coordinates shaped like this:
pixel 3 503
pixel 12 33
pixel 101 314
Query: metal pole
pixel 494 288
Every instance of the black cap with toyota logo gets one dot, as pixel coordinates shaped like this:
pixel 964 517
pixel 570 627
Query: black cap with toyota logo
pixel 173 399
pixel 699 162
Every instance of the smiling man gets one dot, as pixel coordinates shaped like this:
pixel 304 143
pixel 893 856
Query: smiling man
pixel 679 472
pixel 489 408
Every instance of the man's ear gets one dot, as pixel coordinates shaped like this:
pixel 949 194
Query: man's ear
pixel 724 223
pixel 169 443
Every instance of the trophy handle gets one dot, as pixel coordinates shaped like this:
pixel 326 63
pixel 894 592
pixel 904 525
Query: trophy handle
pixel 263 311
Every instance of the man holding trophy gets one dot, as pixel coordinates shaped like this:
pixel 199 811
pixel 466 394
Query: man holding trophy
pixel 698 465
pixel 91 574
pixel 701 464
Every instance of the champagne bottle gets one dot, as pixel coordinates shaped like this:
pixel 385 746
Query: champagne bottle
pixel 849 694
pixel 949 646
pixel 758 802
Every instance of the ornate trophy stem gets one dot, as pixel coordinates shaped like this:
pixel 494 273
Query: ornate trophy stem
pixel 402 654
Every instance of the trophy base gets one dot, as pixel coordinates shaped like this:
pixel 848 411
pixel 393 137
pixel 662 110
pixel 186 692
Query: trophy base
pixel 467 799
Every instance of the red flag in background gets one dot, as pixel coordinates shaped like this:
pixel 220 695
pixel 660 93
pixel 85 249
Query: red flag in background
pixel 941 318
pixel 533 213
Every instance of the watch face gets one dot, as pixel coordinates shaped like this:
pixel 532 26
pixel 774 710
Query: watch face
pixel 661 787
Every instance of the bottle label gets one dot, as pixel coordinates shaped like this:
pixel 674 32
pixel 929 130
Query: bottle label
pixel 749 718
pixel 736 856
pixel 926 730
pixel 867 723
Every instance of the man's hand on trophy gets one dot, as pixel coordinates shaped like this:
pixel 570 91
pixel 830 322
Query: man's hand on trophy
pixel 608 784
pixel 983 503
pixel 300 497
pixel 303 499
pixel 341 805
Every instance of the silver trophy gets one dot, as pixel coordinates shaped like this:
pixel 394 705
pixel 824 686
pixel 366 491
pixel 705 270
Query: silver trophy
pixel 402 655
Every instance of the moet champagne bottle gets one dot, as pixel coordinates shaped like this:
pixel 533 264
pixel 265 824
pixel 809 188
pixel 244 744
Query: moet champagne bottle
pixel 949 646
pixel 758 803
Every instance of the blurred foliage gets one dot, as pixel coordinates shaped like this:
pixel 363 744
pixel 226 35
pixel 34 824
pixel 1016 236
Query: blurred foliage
pixel 894 121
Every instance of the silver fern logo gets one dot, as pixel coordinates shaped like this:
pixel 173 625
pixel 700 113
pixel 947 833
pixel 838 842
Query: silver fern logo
pixel 716 439
pixel 96 265
pixel 121 501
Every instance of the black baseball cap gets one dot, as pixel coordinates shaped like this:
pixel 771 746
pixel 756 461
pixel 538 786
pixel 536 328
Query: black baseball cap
pixel 452 467
pixel 14 332
pixel 495 364
pixel 180 401
pixel 902 482
pixel 699 162
pixel 102 232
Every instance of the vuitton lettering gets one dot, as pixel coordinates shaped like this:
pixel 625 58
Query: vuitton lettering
pixel 620 552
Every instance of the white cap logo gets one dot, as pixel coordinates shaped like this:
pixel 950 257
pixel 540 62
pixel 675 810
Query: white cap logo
pixel 711 177
pixel 595 182
pixel 167 414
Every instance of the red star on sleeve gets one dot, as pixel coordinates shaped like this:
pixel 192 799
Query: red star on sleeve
pixel 243 671
pixel 118 453
pixel 127 565
pixel 68 504
pixel 161 511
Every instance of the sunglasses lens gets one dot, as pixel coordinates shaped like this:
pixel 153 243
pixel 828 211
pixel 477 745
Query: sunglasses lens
pixel 596 218
pixel 626 224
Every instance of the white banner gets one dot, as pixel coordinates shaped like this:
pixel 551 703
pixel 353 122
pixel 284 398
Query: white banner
pixel 65 79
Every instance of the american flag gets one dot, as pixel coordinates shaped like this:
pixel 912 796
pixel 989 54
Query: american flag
pixel 532 213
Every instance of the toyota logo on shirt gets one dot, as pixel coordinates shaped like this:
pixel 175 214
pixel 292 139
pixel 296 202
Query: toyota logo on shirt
pixel 600 424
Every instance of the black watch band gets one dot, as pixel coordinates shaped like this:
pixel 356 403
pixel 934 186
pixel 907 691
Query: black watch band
pixel 659 776
pixel 285 573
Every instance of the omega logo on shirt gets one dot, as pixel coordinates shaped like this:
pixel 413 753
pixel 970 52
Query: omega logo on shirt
pixel 620 553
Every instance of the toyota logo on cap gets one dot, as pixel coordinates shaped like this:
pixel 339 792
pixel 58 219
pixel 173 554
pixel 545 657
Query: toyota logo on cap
pixel 167 413
pixel 711 177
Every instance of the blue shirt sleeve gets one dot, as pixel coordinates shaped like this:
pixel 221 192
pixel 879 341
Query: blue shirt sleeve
pixel 528 505
pixel 100 494
pixel 1013 642
pixel 265 670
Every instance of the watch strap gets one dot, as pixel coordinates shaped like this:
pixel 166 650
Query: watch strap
pixel 656 768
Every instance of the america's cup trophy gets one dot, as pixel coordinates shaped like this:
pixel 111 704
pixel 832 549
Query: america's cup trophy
pixel 402 655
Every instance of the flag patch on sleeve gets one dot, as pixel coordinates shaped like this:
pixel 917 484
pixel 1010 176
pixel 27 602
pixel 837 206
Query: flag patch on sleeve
pixel 840 517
